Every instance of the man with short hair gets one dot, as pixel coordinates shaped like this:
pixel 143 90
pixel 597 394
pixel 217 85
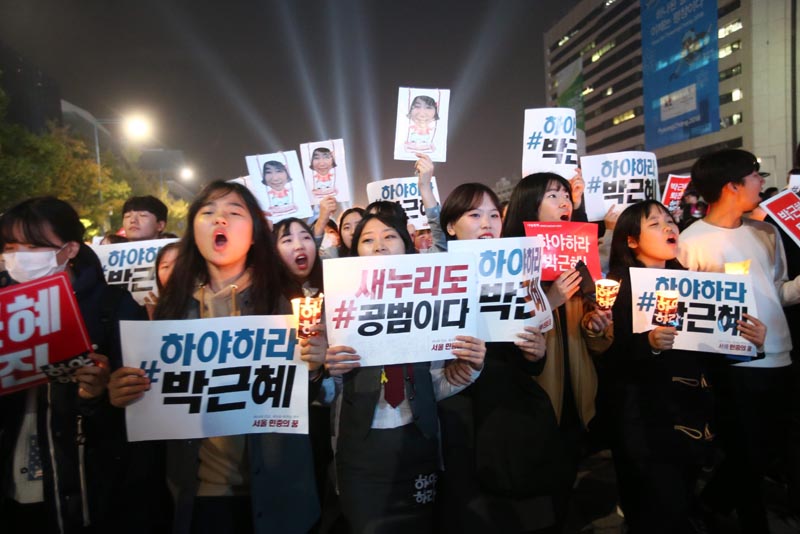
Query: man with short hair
pixel 752 396
pixel 144 218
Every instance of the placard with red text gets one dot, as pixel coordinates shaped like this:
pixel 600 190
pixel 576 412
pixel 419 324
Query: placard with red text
pixel 673 191
pixel 400 309
pixel 42 335
pixel 564 244
pixel 785 209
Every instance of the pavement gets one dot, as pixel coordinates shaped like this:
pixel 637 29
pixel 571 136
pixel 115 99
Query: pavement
pixel 594 505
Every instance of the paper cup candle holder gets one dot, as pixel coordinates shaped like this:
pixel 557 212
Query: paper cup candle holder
pixel 606 292
pixel 666 308
pixel 308 311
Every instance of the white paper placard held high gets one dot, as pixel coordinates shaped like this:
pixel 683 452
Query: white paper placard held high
pixel 510 296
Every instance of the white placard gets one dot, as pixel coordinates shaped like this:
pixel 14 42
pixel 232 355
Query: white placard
pixel 549 142
pixel 509 289
pixel 216 377
pixel 619 179
pixel 404 191
pixel 276 180
pixel 421 123
pixel 794 183
pixel 708 306
pixel 325 170
pixel 132 265
pixel 402 308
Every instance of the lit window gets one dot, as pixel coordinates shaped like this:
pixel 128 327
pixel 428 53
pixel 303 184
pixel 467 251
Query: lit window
pixel 729 28
pixel 725 51
pixel 597 55
pixel 736 95
pixel 563 40
pixel 609 91
pixel 628 115
pixel 587 90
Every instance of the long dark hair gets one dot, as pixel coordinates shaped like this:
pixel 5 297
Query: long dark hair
pixel 344 250
pixel 291 287
pixel 191 268
pixel 389 221
pixel 628 225
pixel 33 217
pixel 160 256
pixel 526 199
pixel 462 199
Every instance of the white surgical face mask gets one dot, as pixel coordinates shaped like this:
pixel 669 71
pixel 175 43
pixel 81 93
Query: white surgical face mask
pixel 24 266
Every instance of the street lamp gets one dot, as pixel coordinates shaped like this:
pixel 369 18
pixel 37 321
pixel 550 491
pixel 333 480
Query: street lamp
pixel 187 174
pixel 136 128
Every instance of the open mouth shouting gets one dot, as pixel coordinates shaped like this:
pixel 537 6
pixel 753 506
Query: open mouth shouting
pixel 220 240
pixel 301 260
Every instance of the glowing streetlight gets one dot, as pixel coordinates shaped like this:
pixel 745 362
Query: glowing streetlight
pixel 136 128
pixel 187 174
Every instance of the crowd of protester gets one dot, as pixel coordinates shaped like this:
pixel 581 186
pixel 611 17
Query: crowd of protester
pixel 495 435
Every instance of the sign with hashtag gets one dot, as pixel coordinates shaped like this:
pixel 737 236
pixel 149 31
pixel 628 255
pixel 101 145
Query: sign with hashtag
pixel 565 243
pixel 785 209
pixel 276 182
pixel 673 191
pixel 709 305
pixel 549 142
pixel 216 377
pixel 618 179
pixel 405 192
pixel 42 335
pixel 132 265
pixel 421 123
pixel 510 296
pixel 402 308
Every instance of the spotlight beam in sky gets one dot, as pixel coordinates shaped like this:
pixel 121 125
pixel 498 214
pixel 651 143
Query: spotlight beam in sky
pixel 366 80
pixel 300 63
pixel 209 60
pixel 493 37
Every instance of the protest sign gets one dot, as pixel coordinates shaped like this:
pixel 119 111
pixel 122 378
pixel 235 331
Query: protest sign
pixel 276 180
pixel 785 210
pixel 42 334
pixel 405 192
pixel 549 142
pixel 708 306
pixel 421 123
pixel 509 271
pixel 565 243
pixel 673 191
pixel 325 170
pixel 132 265
pixel 619 179
pixel 401 308
pixel 794 183
pixel 216 377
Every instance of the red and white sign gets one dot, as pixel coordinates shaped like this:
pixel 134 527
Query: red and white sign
pixel 564 244
pixel 40 328
pixel 673 192
pixel 785 209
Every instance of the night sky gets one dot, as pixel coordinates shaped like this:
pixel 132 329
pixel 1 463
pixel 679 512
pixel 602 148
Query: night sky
pixel 228 79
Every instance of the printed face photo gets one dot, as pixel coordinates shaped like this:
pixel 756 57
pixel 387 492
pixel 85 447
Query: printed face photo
pixel 275 176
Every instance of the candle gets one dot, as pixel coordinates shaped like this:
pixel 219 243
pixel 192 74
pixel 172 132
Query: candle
pixel 606 292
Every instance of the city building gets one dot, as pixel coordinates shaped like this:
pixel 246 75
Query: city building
pixel 33 97
pixel 603 45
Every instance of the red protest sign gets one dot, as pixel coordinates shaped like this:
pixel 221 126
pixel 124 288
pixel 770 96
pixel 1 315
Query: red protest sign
pixel 40 328
pixel 785 209
pixel 673 192
pixel 564 244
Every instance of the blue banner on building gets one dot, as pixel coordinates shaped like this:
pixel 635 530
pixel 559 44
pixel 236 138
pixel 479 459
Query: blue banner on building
pixel 679 64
